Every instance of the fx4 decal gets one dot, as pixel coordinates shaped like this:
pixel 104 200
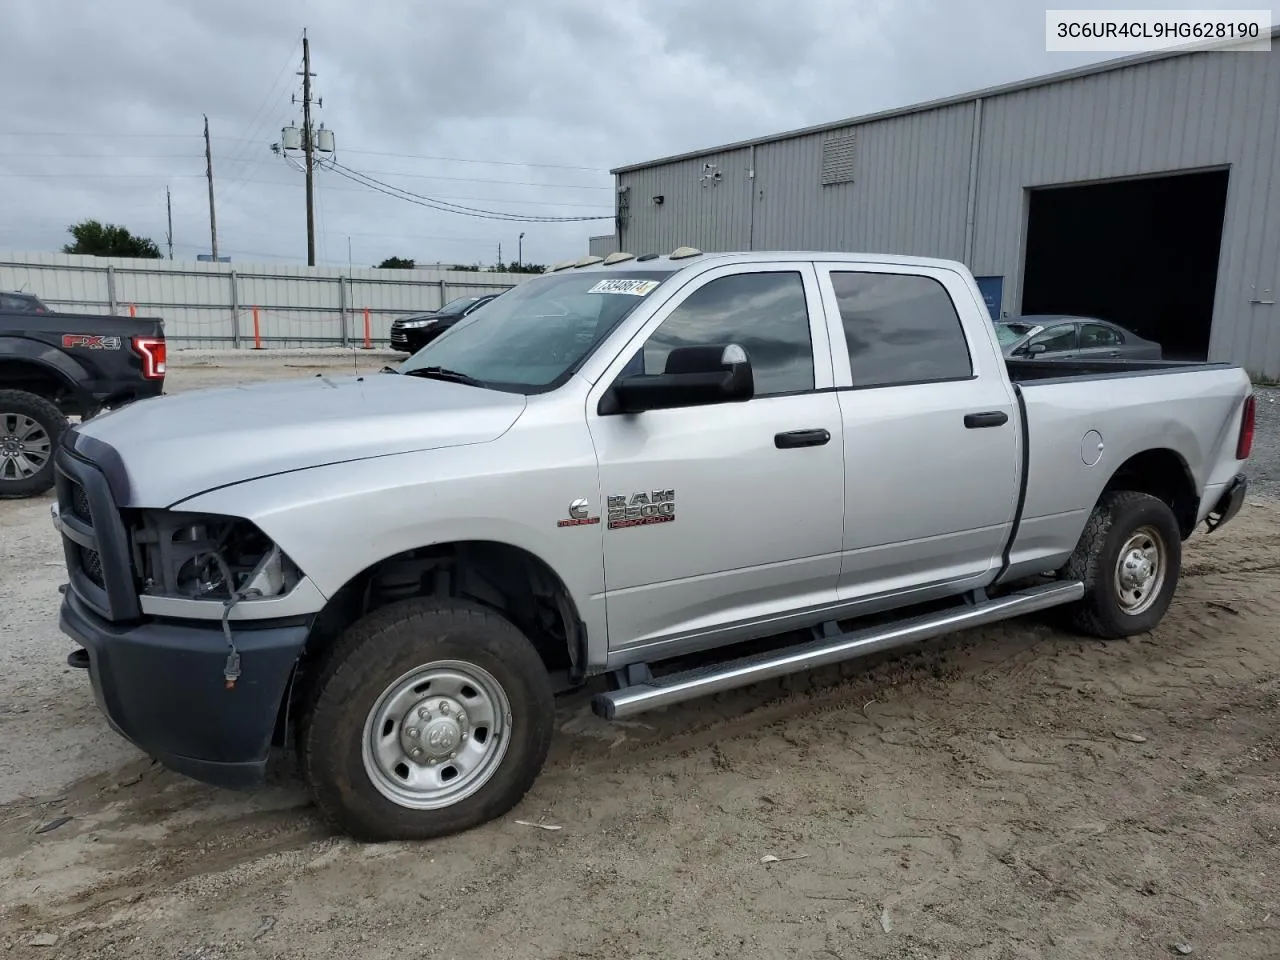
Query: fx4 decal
pixel 642 509
pixel 88 342
pixel 579 515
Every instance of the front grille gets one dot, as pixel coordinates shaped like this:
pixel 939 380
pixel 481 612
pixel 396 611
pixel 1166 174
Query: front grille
pixel 94 537
pixel 91 564
pixel 80 503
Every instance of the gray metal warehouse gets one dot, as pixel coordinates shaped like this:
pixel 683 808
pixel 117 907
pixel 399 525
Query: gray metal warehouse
pixel 1142 190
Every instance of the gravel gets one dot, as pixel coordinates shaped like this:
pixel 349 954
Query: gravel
pixel 1263 467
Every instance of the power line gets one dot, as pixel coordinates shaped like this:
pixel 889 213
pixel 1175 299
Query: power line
pixel 100 136
pixel 105 156
pixel 446 207
pixel 238 158
pixel 538 203
pixel 502 163
pixel 108 176
pixel 514 183
pixel 251 140
pixel 254 125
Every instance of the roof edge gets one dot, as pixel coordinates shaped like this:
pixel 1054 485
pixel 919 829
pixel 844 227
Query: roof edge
pixel 1104 66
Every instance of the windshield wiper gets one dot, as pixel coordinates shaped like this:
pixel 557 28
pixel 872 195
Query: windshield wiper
pixel 442 373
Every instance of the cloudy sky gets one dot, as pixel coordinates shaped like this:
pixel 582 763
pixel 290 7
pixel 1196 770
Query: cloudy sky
pixel 506 106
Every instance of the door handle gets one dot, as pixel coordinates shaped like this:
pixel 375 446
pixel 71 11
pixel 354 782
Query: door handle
pixel 989 418
pixel 801 438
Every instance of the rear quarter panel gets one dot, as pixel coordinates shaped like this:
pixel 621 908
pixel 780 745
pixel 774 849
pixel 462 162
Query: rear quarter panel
pixel 1194 413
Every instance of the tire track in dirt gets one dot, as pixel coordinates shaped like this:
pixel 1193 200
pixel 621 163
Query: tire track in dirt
pixel 1008 714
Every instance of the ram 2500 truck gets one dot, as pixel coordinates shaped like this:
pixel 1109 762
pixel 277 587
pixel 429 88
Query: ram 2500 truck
pixel 54 365
pixel 612 468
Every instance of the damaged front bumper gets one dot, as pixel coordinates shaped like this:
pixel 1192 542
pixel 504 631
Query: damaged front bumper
pixel 161 685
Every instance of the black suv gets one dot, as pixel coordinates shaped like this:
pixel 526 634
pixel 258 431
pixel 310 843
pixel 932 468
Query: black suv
pixel 411 334
pixel 15 302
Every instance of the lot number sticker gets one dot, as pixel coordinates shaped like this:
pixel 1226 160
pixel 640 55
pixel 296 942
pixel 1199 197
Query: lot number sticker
pixel 633 288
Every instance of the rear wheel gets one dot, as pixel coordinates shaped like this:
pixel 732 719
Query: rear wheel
pixel 1129 558
pixel 30 428
pixel 430 717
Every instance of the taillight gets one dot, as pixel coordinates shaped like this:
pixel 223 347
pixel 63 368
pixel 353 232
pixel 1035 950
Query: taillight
pixel 152 352
pixel 1244 443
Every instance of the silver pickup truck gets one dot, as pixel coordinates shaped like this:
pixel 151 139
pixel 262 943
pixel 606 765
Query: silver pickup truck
pixel 675 474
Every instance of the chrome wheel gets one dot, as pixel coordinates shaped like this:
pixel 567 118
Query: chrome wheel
pixel 436 735
pixel 25 446
pixel 1140 570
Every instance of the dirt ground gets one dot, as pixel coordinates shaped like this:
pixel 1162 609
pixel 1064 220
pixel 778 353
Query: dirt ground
pixel 1009 792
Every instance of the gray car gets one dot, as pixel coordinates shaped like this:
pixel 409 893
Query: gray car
pixel 1055 337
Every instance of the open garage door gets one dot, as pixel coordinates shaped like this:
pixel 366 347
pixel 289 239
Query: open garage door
pixel 1142 253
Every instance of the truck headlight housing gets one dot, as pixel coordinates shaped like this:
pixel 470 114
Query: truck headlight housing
pixel 195 556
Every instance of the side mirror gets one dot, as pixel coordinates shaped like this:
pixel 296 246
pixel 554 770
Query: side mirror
pixel 694 376
pixel 1035 348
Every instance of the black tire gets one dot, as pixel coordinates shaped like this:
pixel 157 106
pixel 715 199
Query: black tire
pixel 20 404
pixel 367 661
pixel 1107 611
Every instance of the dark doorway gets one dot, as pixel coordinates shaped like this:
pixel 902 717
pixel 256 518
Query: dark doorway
pixel 1142 253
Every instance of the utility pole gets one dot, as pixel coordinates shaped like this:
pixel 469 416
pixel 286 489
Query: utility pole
pixel 520 250
pixel 499 256
pixel 308 146
pixel 208 170
pixel 168 205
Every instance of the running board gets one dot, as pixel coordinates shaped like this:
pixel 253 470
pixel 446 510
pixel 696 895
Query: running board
pixel 678 687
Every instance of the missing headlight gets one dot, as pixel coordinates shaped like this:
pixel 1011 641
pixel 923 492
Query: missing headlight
pixel 206 557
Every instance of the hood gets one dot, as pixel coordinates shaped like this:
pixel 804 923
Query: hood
pixel 158 451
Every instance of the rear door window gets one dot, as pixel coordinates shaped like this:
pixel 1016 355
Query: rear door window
pixel 1058 338
pixel 900 329
pixel 1097 335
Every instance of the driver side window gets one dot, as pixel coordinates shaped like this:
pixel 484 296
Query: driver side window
pixel 765 313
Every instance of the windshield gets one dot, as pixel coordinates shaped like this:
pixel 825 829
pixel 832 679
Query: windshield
pixel 1008 333
pixel 454 307
pixel 534 336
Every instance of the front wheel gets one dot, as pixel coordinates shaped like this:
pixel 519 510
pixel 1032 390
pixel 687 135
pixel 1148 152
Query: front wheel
pixel 30 427
pixel 1129 558
pixel 430 717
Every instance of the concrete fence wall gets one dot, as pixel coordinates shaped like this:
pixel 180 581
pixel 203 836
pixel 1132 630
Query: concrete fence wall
pixel 213 304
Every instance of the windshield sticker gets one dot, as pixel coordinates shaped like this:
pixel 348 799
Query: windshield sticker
pixel 632 288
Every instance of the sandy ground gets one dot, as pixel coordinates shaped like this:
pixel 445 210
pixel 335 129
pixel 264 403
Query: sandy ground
pixel 1011 792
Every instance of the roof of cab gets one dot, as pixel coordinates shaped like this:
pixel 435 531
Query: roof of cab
pixel 697 257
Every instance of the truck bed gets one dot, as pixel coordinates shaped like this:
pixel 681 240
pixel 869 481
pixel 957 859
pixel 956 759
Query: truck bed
pixel 1040 371
pixel 1082 420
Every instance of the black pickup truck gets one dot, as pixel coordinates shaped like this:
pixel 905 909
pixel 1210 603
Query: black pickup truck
pixel 58 365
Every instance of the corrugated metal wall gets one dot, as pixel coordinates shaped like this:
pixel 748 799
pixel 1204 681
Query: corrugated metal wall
pixel 911 190
pixel 212 304
pixel 1193 112
pixel 695 208
pixel 602 246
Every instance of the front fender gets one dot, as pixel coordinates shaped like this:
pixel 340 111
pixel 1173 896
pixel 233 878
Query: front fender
pixel 339 520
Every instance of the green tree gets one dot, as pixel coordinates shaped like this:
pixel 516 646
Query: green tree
pixel 108 240
pixel 513 268
pixel 395 263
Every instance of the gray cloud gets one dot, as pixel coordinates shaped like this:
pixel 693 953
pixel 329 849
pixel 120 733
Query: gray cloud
pixel 100 106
